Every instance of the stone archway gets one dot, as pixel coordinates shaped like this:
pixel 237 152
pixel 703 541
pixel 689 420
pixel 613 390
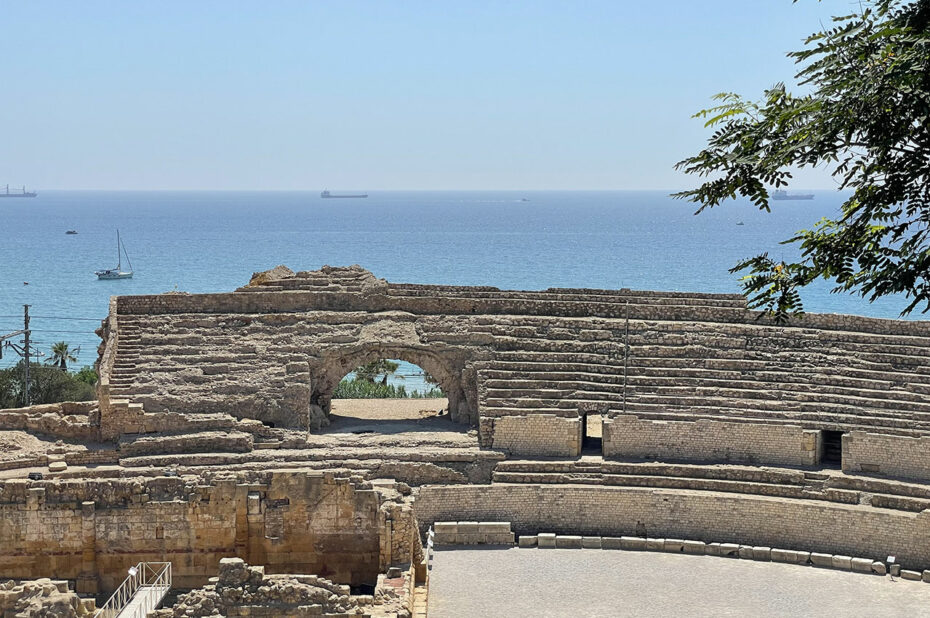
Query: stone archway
pixel 327 370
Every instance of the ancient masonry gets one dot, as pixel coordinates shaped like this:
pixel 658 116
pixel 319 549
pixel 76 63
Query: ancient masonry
pixel 208 440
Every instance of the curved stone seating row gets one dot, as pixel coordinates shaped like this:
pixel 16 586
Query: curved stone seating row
pixel 779 482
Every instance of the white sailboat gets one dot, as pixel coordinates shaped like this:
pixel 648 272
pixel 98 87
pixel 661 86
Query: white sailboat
pixel 118 272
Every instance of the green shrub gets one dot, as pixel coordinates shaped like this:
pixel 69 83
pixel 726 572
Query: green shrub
pixel 47 384
pixel 363 389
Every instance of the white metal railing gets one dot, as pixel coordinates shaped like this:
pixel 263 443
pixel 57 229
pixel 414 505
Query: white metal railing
pixel 140 593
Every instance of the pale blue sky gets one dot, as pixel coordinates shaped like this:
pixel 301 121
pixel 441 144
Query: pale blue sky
pixel 378 94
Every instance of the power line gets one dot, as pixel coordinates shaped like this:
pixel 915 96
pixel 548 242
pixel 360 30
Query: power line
pixel 55 317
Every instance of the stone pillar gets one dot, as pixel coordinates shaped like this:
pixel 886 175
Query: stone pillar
pixel 242 522
pixel 87 582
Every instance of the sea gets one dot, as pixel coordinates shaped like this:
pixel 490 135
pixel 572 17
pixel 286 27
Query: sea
pixel 212 241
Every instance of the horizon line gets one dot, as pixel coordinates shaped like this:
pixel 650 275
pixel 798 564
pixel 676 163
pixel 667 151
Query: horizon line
pixel 163 190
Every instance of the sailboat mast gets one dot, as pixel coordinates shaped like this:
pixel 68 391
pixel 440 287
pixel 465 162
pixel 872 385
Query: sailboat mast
pixel 119 263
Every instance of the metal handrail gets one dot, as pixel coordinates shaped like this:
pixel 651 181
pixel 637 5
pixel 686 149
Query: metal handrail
pixel 153 579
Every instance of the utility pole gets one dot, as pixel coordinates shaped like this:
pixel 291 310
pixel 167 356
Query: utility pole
pixel 23 352
pixel 26 352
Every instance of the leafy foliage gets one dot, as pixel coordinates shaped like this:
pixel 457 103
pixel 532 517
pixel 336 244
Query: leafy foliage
pixel 87 374
pixel 867 118
pixel 48 384
pixel 369 372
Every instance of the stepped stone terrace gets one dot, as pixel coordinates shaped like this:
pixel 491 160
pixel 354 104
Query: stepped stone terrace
pixel 598 413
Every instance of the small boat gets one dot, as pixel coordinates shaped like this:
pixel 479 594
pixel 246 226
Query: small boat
pixel 779 195
pixel 71 232
pixel 326 194
pixel 118 272
pixel 524 200
pixel 740 223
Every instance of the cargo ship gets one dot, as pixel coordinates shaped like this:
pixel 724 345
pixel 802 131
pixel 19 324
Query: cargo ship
pixel 23 194
pixel 328 194
pixel 780 195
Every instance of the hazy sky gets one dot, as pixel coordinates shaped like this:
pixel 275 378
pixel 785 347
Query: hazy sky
pixel 378 94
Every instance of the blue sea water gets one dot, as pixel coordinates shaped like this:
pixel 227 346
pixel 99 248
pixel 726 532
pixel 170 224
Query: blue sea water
pixel 213 241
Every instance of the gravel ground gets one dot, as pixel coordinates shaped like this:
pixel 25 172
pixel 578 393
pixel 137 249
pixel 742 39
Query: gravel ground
pixel 541 583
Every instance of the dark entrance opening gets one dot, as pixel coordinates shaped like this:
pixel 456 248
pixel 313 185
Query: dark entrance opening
pixel 591 437
pixel 832 454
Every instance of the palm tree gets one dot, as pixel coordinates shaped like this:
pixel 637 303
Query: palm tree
pixel 62 355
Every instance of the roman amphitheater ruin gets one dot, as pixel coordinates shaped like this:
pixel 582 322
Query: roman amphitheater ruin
pixel 629 420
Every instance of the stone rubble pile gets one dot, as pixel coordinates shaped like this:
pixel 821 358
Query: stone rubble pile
pixel 243 590
pixel 42 598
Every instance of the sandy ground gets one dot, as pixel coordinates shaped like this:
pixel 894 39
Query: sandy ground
pixel 549 583
pixel 393 423
pixel 388 409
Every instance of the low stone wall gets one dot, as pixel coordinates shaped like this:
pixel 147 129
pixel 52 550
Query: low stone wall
pixel 705 441
pixel 541 435
pixel 843 529
pixel 205 442
pixel 69 420
pixel 473 533
pixel 896 456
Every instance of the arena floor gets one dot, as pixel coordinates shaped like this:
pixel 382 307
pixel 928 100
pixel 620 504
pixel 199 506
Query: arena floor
pixel 465 583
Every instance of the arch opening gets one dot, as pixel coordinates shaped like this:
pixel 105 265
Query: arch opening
pixel 385 390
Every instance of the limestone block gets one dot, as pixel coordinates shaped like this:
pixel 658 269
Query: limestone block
pixel 568 541
pixel 762 553
pixel 655 544
pixel 861 565
pixel 821 560
pixel 926 576
pixel 467 527
pixel 445 527
pixel 803 557
pixel 494 527
pixel 729 550
pixel 783 555
pixel 895 570
pixel 696 548
pixel 879 568
pixel 545 540
pixel 712 549
pixel 57 466
pixel 610 542
pixel 632 543
pixel 911 575
pixel 527 541
pixel 591 542
pixel 842 562
pixel 745 552
pixel 673 545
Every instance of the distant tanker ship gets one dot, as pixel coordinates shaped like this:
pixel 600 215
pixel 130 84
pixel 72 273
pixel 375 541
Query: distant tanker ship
pixel 23 194
pixel 780 195
pixel 328 194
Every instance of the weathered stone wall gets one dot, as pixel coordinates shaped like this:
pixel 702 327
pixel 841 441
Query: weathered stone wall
pixel 896 456
pixel 705 441
pixel 541 435
pixel 849 529
pixel 92 530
